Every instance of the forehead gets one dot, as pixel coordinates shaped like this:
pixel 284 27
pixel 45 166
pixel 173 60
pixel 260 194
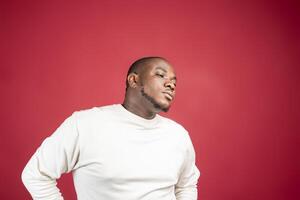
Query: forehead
pixel 159 65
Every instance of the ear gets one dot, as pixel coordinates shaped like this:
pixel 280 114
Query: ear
pixel 132 79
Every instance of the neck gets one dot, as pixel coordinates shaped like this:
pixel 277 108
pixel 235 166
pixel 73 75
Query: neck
pixel 138 109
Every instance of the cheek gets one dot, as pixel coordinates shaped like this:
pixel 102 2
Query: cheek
pixel 156 89
pixel 151 90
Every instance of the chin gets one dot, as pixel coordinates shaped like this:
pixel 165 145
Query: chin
pixel 164 107
pixel 159 104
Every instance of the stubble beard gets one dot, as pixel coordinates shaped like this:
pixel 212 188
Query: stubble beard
pixel 153 102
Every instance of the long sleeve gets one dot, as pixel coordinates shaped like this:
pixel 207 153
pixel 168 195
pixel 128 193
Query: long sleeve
pixel 186 187
pixel 57 154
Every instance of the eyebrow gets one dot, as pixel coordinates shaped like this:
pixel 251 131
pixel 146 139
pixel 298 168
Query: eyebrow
pixel 173 78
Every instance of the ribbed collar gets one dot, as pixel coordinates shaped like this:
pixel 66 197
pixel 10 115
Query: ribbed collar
pixel 136 119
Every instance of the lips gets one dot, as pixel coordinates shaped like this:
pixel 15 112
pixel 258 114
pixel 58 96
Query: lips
pixel 169 95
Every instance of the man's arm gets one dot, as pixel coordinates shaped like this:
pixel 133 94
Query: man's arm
pixel 186 187
pixel 58 154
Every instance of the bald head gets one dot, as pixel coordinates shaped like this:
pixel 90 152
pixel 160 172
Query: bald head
pixel 140 65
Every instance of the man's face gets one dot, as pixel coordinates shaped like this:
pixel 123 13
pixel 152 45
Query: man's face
pixel 158 81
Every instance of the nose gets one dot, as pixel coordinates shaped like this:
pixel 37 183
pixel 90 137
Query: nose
pixel 170 85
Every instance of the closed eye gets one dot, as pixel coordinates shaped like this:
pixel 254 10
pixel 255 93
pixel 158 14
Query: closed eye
pixel 160 75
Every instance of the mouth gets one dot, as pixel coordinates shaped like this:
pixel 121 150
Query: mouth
pixel 168 95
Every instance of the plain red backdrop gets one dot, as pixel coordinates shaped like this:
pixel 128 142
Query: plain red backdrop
pixel 237 64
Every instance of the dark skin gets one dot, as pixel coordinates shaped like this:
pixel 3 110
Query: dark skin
pixel 151 89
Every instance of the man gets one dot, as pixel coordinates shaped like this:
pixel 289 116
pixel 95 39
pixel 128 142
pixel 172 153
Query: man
pixel 121 152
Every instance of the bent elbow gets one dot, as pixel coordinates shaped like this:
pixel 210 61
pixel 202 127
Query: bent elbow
pixel 25 177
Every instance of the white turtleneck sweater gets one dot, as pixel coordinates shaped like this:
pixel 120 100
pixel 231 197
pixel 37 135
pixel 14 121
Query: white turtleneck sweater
pixel 113 155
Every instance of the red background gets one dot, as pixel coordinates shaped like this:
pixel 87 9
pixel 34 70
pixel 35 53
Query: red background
pixel 237 64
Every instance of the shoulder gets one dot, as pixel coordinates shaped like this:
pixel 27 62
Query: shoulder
pixel 173 124
pixel 176 128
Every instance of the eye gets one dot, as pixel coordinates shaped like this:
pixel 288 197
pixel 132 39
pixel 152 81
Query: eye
pixel 160 75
